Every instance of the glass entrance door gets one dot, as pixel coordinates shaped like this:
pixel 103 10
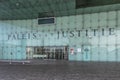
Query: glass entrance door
pixel 59 53
pixel 51 52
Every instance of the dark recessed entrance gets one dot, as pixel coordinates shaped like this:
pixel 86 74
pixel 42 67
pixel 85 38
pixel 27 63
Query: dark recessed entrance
pixel 48 52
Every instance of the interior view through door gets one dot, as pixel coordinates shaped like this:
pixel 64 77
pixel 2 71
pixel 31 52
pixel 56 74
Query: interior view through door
pixel 47 52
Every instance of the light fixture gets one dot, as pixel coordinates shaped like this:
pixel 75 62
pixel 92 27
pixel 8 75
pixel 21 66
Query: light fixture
pixel 17 4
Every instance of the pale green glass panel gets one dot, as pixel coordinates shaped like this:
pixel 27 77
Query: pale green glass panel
pixel 103 53
pixel 118 18
pixel 1 52
pixel 94 54
pixel 94 41
pixel 58 23
pixel 79 21
pixel 103 40
pixel 35 24
pixel 118 53
pixel 112 15
pixel 111 53
pixel 111 40
pixel 103 19
pixel 118 36
pixel 87 23
pixel 112 23
pixel 94 20
pixel 64 22
pixel 71 20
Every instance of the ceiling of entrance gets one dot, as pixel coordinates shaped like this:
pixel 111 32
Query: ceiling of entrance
pixel 29 9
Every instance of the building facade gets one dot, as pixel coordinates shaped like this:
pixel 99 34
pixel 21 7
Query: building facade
pixel 93 36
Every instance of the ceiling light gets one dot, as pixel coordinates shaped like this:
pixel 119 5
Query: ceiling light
pixel 17 4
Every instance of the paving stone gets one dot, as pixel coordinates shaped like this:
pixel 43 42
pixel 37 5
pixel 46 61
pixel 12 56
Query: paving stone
pixel 60 70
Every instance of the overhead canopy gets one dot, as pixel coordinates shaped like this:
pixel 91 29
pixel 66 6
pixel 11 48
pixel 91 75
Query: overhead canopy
pixel 91 3
pixel 29 9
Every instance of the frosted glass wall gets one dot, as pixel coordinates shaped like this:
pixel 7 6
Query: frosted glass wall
pixel 93 37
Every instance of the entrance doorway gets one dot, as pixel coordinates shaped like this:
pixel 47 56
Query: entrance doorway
pixel 48 52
